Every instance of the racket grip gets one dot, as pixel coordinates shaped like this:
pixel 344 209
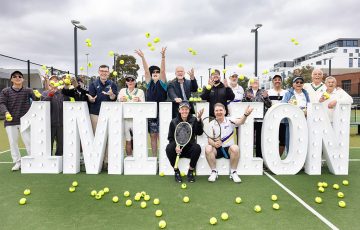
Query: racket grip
pixel 177 161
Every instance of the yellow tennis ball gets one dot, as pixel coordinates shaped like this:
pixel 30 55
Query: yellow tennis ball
pixel 122 62
pixel 126 193
pixel 72 189
pixel 137 198
pixel 238 200
pixel 276 206
pixel 128 203
pixel 194 52
pixel 224 216
pixel 101 192
pixel 318 200
pixel 252 80
pixel 345 182
pixel 240 65
pixel 208 87
pixel 27 192
pixel 224 71
pixel 274 197
pixel 190 50
pixel 152 48
pixel 143 204
pixel 156 201
pixel 81 68
pixel 158 213
pixel 342 204
pixel 292 39
pixel 183 186
pixel 143 193
pixel 336 186
pixel 67 81
pixel 212 71
pixel 147 197
pixel 111 53
pixel 162 224
pixel 241 77
pixel 74 183
pixel 340 194
pixel 257 208
pixel 93 193
pixel 98 196
pixel 147 35
pixel 22 201
pixel 156 40
pixel 114 73
pixel 320 184
pixel 149 44
pixel 325 185
pixel 90 64
pixel 161 174
pixel 213 221
pixel 106 190
pixel 43 67
pixel 191 99
pixel 321 189
pixel 200 90
pixel 115 199
pixel 186 199
pixel 182 174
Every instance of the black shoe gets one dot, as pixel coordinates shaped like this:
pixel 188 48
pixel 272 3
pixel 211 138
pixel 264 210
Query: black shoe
pixel 178 176
pixel 190 176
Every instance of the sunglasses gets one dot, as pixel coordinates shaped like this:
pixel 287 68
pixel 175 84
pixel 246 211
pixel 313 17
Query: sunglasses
pixel 299 82
pixel 17 76
pixel 129 79
pixel 156 71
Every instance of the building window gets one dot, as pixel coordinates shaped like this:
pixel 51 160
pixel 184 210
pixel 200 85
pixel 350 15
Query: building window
pixel 350 54
pixel 356 50
pixel 345 50
pixel 350 62
pixel 355 43
pixel 359 62
pixel 318 63
pixel 346 85
pixel 325 61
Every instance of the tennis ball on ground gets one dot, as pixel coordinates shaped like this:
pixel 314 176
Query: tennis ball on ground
pixel 325 185
pixel 115 199
pixel 320 184
pixel 128 203
pixel 74 183
pixel 318 200
pixel 321 189
pixel 156 40
pixel 336 186
pixel 143 204
pixel 240 65
pixel 162 224
pixel 200 90
pixel 276 206
pixel 93 193
pixel 138 194
pixel 158 213
pixel 186 199
pixel 137 198
pixel 101 192
pixel 126 193
pixel 27 192
pixel 161 174
pixel 147 197
pixel 143 193
pixel 122 62
pixel 182 174
pixel 106 190
pixel 183 186
pixel 257 208
pixel 22 201
pixel 72 189
pixel 340 194
pixel 208 87
pixel 238 200
pixel 274 197
pixel 213 221
pixel 147 35
pixel 241 77
pixel 224 216
pixel 345 182
pixel 156 201
pixel 98 196
pixel 342 204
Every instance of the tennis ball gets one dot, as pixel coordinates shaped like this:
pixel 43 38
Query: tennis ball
pixel 122 62
pixel 274 197
pixel 22 201
pixel 81 68
pixel 61 82
pixel 292 39
pixel 224 216
pixel 182 174
pixel 213 221
pixel 342 204
pixel 115 199
pixel 126 193
pixel 320 184
pixel 194 52
pixel 98 196
pixel 161 174
pixel 101 192
pixel 156 201
pixel 183 186
pixel 89 44
pixel 158 213
pixel 190 50
pixel 296 43
pixel 212 71
pixel 162 224
pixel 72 189
pixel 106 190
pixel 318 200
pixel 224 71
pixel 90 64
pixel 257 208
pixel 336 186
pixel 93 193
pixel 198 100
pixel 191 99
pixel 128 203
pixel 326 95
pixel 149 44
pixel 276 206
pixel 43 67
pixel 137 198
pixel 147 35
pixel 241 77
pixel 111 53
pixel 114 73
pixel 240 65
pixel 152 48
pixel 340 194
pixel 186 199
pixel 143 193
pixel 138 194
pixel 208 87
pixel 252 80
pixel 87 40
pixel 321 189
pixel 325 185
pixel 27 192
pixel 147 197
pixel 67 81
pixel 200 90
pixel 156 40
pixel 74 183
pixel 238 200
pixel 345 182
pixel 143 204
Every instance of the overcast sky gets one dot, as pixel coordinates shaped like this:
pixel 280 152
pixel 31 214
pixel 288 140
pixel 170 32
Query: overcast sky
pixel 41 31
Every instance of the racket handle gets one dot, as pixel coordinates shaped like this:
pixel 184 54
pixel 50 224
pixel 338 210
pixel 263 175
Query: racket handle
pixel 177 161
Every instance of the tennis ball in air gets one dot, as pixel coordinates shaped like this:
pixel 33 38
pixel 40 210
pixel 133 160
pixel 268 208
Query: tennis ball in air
pixel 241 77
pixel 152 48
pixel 162 224
pixel 318 200
pixel 143 204
pixel 238 200
pixel 43 67
pixel 183 186
pixel 193 52
pixel 22 201
pixel 158 213
pixel 186 199
pixel 342 204
pixel 213 221
pixel 27 192
pixel 115 199
pixel 149 44
pixel 208 87
pixel 212 71
pixel 93 193
pixel 274 197
pixel 190 50
pixel 340 194
pixel 296 43
pixel 81 68
pixel 200 90
pixel 336 186
pixel 147 35
pixel 240 65
pixel 128 203
pixel 114 73
pixel 72 189
pixel 147 197
pixel 61 82
pixel 67 81
pixel 156 40
pixel 156 201
pixel 276 206
pixel 345 182
pixel 126 193
pixel 106 190
pixel 182 174
pixel 74 183
pixel 257 208
pixel 252 80
pixel 111 53
pixel 224 216
pixel 321 189
pixel 122 62
pixel 224 71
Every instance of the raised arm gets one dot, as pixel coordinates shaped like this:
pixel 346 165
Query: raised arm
pixel 242 119
pixel 145 65
pixel 162 68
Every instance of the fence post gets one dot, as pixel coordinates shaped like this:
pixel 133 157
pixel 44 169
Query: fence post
pixel 28 67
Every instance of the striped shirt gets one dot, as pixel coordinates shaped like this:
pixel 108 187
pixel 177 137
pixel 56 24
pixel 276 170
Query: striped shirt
pixel 17 102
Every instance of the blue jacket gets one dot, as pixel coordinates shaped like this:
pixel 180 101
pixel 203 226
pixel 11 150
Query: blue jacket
pixel 97 88
pixel 290 93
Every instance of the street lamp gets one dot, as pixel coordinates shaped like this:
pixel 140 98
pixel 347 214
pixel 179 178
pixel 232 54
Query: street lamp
pixel 81 27
pixel 87 65
pixel 257 26
pixel 224 57
pixel 209 72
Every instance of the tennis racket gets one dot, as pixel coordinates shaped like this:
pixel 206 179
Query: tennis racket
pixel 212 130
pixel 183 133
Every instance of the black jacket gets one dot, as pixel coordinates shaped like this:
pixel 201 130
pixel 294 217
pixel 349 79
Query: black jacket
pixel 197 127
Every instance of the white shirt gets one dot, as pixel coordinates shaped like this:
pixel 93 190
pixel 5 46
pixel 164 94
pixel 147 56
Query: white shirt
pixel 238 91
pixel 130 95
pixel 227 132
pixel 340 96
pixel 276 96
pixel 300 99
pixel 315 95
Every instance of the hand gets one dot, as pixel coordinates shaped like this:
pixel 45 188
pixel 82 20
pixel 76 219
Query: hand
pixel 265 94
pixel 225 83
pixel 91 98
pixel 178 100
pixel 322 99
pixel 249 95
pixel 191 74
pixel 140 53
pixel 110 92
pixel 211 82
pixel 178 149
pixel 332 104
pixel 136 99
pixel 200 113
pixel 163 51
pixel 123 98
pixel 217 143
pixel 248 110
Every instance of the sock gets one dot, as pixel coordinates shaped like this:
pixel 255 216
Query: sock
pixel 191 171
pixel 233 170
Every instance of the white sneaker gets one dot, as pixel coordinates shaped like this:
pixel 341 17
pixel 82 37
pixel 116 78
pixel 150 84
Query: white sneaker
pixel 213 176
pixel 235 177
pixel 16 167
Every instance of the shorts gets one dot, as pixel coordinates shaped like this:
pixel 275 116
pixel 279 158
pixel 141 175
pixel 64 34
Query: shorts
pixel 222 152
pixel 128 125
pixel 153 125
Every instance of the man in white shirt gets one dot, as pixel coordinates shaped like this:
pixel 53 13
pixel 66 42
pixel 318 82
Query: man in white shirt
pixel 316 88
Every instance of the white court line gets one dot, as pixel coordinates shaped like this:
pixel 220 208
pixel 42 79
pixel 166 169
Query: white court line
pixel 308 207
pixel 5 151
pixel 354 159
pixel 7 162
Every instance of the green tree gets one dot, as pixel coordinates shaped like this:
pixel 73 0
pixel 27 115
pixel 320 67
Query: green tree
pixel 244 83
pixel 305 72
pixel 124 65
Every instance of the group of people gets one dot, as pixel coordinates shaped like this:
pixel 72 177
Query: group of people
pixel 16 100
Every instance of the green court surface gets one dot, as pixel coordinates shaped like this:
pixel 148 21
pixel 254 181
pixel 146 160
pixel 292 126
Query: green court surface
pixel 51 206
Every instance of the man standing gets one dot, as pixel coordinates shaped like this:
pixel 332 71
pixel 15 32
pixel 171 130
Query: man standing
pixel 155 79
pixel 316 88
pixel 180 89
pixel 15 101
pixel 191 150
pixel 236 88
pixel 217 92
pixel 226 143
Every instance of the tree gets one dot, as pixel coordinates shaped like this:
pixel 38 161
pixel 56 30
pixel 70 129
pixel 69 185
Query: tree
pixel 124 65
pixel 305 72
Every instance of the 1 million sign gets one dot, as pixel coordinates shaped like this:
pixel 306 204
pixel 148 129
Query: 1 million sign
pixel 311 139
